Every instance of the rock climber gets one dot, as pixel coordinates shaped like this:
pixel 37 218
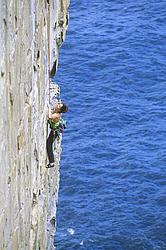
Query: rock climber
pixel 57 125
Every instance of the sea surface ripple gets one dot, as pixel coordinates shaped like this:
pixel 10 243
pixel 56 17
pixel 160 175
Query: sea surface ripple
pixel 112 73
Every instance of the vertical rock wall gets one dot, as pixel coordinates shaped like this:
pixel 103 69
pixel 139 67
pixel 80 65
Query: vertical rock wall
pixel 31 33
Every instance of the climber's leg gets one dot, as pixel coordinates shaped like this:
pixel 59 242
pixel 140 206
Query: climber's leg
pixel 49 145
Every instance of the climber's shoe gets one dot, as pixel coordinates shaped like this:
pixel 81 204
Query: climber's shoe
pixel 50 165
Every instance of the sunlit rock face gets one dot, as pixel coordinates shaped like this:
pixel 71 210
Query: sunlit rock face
pixel 31 33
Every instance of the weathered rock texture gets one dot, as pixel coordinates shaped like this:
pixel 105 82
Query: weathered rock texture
pixel 31 33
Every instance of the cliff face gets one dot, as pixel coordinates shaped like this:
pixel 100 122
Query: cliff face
pixel 31 33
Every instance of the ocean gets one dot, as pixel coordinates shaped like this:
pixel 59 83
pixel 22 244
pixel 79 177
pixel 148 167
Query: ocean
pixel 112 74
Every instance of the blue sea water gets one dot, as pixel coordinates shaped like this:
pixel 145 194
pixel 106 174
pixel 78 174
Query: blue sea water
pixel 112 73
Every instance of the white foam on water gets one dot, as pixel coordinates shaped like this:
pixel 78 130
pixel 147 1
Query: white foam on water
pixel 82 243
pixel 71 231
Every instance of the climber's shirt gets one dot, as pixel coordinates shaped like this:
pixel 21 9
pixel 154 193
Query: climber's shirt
pixel 57 126
pixel 53 123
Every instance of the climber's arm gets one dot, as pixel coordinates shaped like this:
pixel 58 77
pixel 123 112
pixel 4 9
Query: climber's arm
pixel 49 113
pixel 54 116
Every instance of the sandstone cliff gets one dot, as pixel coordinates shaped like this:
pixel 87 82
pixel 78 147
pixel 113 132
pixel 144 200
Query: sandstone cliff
pixel 31 33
